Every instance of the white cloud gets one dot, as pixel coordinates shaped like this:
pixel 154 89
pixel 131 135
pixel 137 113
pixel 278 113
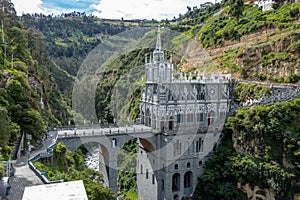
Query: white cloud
pixel 27 6
pixel 36 6
pixel 143 9
pixel 116 9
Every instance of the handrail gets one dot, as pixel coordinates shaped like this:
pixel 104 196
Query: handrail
pixel 103 131
pixel 43 175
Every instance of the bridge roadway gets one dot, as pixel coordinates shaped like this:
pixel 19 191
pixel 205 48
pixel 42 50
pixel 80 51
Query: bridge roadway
pixel 96 130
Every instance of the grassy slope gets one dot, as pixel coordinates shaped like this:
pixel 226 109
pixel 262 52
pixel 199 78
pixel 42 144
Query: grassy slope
pixel 270 37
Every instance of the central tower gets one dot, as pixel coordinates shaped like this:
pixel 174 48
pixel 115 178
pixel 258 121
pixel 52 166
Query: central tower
pixel 186 115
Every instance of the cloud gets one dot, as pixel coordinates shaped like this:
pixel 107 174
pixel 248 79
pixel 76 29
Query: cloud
pixel 111 9
pixel 143 9
pixel 53 6
pixel 27 6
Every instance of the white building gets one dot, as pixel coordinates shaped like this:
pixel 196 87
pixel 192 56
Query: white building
pixel 73 190
pixel 265 4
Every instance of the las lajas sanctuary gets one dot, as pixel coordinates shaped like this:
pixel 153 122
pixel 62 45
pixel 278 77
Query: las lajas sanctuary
pixel 186 115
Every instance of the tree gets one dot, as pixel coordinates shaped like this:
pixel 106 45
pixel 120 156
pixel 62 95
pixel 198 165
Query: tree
pixel 4 127
pixel 32 123
pixel 236 8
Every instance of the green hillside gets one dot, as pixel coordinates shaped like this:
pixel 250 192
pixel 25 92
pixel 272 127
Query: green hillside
pixel 69 38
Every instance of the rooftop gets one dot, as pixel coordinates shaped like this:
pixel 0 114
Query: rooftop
pixel 73 190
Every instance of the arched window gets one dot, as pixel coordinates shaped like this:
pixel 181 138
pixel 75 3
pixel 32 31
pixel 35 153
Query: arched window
pixel 179 118
pixel 153 179
pixel 190 117
pixel 141 169
pixel 171 120
pixel 147 174
pixel 200 163
pixel 177 148
pixel 154 122
pixel 210 118
pixel 176 166
pixel 113 142
pixel 188 165
pixel 162 184
pixel 147 118
pixel 142 118
pixel 188 179
pixel 199 117
pixel 176 182
pixel 162 124
pixel 199 145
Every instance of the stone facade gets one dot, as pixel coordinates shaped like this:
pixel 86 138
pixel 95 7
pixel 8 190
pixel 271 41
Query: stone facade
pixel 186 115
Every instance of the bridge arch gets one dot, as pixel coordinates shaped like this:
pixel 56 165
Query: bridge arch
pixel 146 145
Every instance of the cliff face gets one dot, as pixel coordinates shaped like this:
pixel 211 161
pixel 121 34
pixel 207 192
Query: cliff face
pixel 275 60
pixel 265 55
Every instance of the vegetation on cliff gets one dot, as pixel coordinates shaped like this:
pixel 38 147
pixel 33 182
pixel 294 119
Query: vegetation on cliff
pixel 69 39
pixel 261 148
pixel 127 170
pixel 70 166
pixel 259 46
pixel 29 99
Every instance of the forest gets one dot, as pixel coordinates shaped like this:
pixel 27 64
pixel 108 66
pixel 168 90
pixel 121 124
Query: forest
pixel 40 58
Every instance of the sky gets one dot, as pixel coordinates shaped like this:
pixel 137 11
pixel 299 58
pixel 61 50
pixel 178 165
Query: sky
pixel 110 9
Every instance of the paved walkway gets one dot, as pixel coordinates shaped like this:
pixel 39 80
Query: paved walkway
pixel 24 176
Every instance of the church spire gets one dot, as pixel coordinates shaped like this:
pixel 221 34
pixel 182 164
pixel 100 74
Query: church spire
pixel 158 54
pixel 158 40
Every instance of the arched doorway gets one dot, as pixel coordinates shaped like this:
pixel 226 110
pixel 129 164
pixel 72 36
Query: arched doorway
pixel 210 118
pixel 171 123
pixel 188 179
pixel 176 182
pixel 162 124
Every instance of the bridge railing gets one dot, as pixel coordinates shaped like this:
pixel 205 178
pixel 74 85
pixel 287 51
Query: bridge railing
pixel 48 153
pixel 91 131
pixel 96 126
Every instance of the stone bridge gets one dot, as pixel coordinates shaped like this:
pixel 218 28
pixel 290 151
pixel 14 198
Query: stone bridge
pixel 110 140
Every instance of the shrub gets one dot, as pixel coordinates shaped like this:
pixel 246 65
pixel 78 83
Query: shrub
pixel 292 78
pixel 294 12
